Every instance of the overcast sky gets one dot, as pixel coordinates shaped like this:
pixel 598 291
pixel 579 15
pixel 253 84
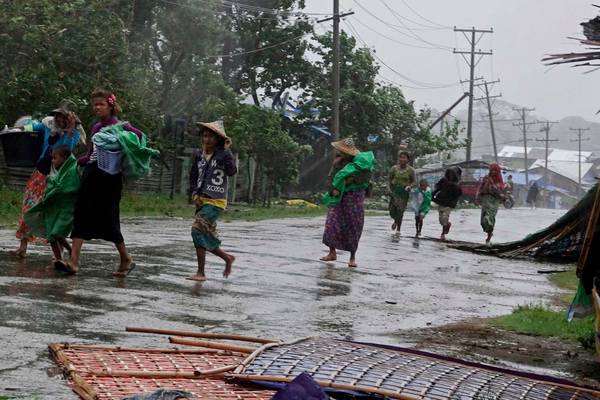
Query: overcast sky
pixel 524 31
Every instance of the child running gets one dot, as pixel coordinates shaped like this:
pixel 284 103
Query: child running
pixel 446 194
pixel 52 218
pixel 422 204
pixel 211 168
pixel 401 181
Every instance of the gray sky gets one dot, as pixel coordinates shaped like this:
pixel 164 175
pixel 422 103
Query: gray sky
pixel 524 31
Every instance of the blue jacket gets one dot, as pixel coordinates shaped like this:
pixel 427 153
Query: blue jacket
pixel 211 178
pixel 51 141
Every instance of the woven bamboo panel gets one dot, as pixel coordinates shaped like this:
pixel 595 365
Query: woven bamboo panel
pixel 398 374
pixel 102 372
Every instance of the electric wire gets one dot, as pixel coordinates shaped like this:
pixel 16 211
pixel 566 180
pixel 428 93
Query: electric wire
pixel 414 34
pixel 423 85
pixel 423 18
pixel 395 28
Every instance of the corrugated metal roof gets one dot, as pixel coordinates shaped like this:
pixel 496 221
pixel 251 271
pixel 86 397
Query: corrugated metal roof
pixel 568 155
pixel 568 169
pixel 539 152
pixel 512 151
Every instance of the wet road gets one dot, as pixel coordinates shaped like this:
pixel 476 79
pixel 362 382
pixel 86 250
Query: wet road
pixel 277 288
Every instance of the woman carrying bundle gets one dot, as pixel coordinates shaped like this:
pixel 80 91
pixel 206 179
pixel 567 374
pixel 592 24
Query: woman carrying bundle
pixel 350 178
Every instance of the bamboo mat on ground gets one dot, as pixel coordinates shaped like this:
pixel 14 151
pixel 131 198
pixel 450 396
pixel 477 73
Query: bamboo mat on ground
pixel 399 373
pixel 110 373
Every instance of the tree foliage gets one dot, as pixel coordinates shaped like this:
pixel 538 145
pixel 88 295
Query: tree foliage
pixel 204 61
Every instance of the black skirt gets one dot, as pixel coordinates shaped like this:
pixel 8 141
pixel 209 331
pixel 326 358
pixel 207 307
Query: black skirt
pixel 97 207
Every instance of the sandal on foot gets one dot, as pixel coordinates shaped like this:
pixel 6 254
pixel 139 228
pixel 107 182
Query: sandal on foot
pixel 125 272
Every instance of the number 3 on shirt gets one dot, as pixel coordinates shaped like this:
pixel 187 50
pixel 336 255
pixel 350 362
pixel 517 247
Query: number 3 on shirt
pixel 217 178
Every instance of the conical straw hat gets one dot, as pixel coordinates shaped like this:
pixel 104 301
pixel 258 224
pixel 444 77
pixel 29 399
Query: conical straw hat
pixel 216 127
pixel 346 146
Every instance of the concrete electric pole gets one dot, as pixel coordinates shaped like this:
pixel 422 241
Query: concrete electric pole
pixel 472 40
pixel 547 140
pixel 487 97
pixel 523 125
pixel 335 72
pixel 580 139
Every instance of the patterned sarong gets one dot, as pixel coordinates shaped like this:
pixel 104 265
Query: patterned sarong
pixel 344 224
pixel 204 228
pixel 34 193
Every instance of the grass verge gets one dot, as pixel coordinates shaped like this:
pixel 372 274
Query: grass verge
pixel 540 320
pixel 10 206
pixel 159 205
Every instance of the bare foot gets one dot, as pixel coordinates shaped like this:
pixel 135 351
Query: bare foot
pixel 125 268
pixel 197 278
pixel 443 237
pixel 329 257
pixel 71 268
pixel 19 253
pixel 352 264
pixel 228 264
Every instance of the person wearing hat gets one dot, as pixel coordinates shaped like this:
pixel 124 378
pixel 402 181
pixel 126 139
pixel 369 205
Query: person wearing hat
pixel 350 177
pixel 212 165
pixel 60 128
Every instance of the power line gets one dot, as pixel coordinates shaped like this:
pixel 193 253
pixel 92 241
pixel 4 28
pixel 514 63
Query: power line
pixel 395 27
pixel 416 82
pixel 249 7
pixel 395 40
pixel 241 53
pixel 423 18
pixel 417 37
pixel 278 17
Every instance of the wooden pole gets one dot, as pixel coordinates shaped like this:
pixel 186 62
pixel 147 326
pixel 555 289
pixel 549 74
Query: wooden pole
pixel 204 335
pixel 212 345
pixel 160 374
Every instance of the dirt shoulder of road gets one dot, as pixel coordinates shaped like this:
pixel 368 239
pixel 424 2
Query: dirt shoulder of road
pixel 479 341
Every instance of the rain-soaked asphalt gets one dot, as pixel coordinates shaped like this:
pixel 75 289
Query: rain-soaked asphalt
pixel 277 288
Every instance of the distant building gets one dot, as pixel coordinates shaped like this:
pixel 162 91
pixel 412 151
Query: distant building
pixel 514 156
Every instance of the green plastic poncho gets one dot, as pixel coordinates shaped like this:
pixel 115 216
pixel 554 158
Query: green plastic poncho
pixel 52 218
pixel 362 162
pixel 136 154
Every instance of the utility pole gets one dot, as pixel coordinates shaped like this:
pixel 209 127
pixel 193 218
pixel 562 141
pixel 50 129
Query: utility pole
pixel 546 128
pixel 523 125
pixel 490 114
pixel 580 139
pixel 336 70
pixel 335 73
pixel 473 40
